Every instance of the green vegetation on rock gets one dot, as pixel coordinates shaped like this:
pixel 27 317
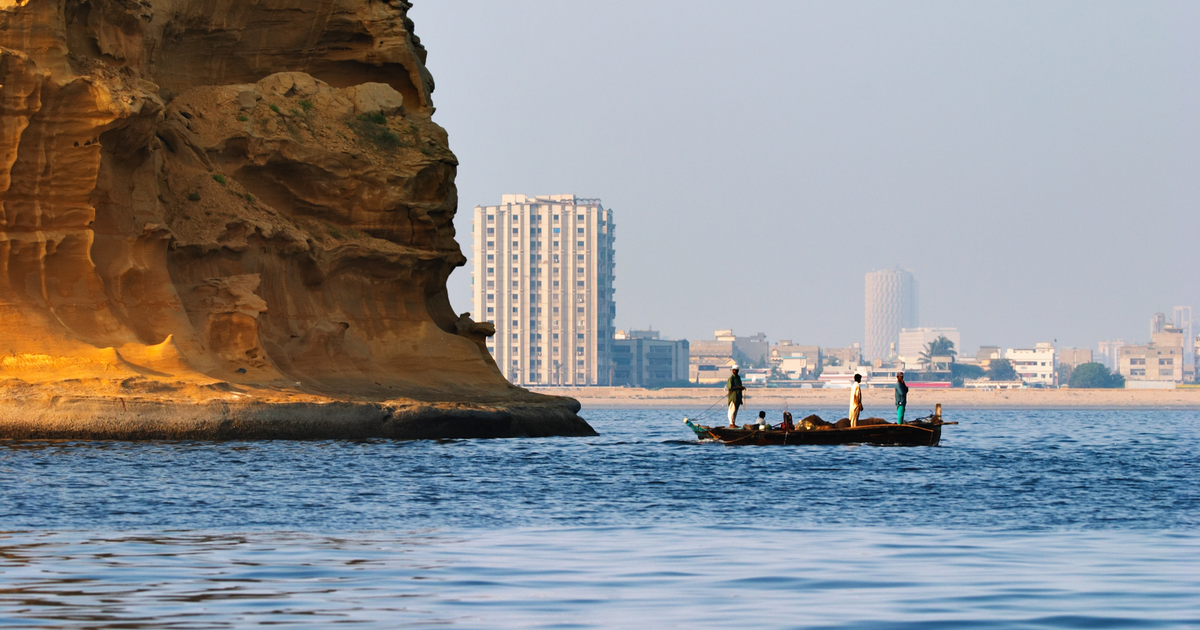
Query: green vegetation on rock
pixel 375 130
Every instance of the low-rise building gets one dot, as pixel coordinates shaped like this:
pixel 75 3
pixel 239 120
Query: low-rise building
pixel 1159 360
pixel 1069 359
pixel 795 361
pixel 1074 357
pixel 842 376
pixel 987 354
pixel 1035 366
pixel 753 349
pixel 1196 353
pixel 913 341
pixel 987 385
pixel 710 360
pixel 642 359
pixel 842 356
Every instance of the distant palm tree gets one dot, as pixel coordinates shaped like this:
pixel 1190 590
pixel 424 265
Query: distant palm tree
pixel 940 347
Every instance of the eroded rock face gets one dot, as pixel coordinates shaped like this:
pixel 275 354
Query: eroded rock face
pixel 205 200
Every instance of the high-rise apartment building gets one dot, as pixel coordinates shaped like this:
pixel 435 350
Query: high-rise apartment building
pixel 1109 353
pixel 1183 321
pixel 891 306
pixel 544 276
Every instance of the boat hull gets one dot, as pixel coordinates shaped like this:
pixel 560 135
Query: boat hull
pixel 913 434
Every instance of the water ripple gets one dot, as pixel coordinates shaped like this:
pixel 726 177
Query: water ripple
pixel 1064 519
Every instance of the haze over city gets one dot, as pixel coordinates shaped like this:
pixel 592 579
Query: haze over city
pixel 1036 166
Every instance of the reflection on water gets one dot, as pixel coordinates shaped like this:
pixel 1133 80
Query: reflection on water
pixel 1020 519
pixel 597 577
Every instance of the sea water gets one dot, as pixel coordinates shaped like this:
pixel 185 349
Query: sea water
pixel 1020 519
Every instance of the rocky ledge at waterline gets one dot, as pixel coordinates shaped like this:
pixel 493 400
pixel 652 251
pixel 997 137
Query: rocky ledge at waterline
pixel 234 221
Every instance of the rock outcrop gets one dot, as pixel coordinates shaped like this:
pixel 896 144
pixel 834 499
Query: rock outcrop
pixel 233 218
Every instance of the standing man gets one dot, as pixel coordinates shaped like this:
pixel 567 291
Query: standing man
pixel 901 397
pixel 733 390
pixel 856 400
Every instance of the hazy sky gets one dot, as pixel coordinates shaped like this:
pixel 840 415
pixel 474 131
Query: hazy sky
pixel 1036 165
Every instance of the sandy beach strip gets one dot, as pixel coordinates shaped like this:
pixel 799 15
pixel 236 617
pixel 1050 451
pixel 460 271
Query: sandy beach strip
pixel 878 401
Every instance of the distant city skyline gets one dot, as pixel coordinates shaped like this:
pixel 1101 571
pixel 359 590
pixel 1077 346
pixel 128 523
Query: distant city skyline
pixel 1020 158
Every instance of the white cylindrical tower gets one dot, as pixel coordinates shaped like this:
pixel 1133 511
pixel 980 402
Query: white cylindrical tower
pixel 891 305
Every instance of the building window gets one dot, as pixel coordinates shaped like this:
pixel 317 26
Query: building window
pixel 580 244
pixel 491 231
pixel 516 244
pixel 579 284
pixel 491 271
pixel 491 243
pixel 1166 361
pixel 579 270
pixel 491 257
pixel 579 230
pixel 491 284
pixel 491 217
pixel 491 297
pixel 579 217
pixel 516 324
pixel 515 310
pixel 556 243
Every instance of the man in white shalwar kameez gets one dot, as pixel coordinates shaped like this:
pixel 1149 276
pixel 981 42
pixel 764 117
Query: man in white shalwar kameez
pixel 856 400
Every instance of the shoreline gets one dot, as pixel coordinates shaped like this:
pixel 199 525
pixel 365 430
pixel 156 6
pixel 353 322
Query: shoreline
pixel 873 399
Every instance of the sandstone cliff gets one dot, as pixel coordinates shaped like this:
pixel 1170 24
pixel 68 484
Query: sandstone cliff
pixel 233 218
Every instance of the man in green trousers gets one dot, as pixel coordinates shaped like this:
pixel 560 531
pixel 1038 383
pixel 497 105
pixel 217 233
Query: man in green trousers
pixel 901 397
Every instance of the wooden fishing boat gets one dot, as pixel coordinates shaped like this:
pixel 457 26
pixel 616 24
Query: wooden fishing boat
pixel 925 431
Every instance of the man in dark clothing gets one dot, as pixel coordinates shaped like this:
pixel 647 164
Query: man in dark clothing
pixel 733 390
pixel 901 397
